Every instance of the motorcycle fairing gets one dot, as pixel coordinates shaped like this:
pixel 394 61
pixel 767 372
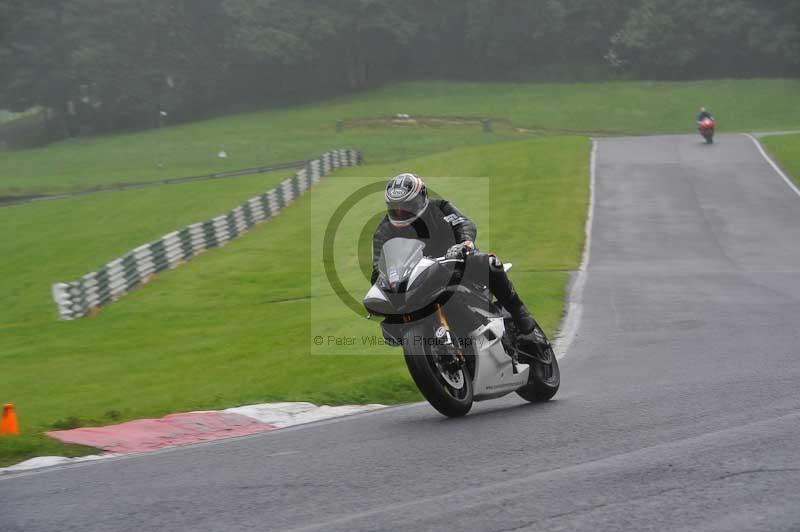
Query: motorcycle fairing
pixel 494 372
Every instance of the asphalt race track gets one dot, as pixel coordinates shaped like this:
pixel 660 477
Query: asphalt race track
pixel 679 410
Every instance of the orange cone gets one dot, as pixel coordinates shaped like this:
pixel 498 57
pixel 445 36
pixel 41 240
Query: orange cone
pixel 9 424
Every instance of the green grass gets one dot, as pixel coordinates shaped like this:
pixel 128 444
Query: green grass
pixel 786 150
pixel 233 326
pixel 45 242
pixel 305 131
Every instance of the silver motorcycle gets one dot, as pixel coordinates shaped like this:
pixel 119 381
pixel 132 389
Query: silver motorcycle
pixel 458 343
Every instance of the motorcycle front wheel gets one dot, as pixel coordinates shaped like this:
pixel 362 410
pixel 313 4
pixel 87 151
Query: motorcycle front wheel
pixel 448 390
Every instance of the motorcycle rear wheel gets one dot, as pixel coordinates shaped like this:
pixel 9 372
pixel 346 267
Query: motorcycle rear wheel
pixel 544 380
pixel 449 392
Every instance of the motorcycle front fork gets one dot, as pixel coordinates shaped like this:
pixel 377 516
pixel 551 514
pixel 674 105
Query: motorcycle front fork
pixel 444 336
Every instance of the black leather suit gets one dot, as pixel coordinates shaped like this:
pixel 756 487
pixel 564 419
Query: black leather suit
pixel 441 226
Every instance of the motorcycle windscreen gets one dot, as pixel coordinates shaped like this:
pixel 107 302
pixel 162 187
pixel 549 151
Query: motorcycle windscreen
pixel 398 258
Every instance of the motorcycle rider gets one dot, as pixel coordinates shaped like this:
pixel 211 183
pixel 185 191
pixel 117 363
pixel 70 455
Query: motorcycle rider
pixel 447 232
pixel 704 113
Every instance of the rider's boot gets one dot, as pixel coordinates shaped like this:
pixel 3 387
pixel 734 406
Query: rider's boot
pixel 530 338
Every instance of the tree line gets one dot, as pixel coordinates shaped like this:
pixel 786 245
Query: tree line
pixel 105 65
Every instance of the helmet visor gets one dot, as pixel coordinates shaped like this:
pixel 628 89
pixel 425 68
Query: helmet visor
pixel 404 213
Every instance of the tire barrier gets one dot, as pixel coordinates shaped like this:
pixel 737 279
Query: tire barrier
pixel 110 282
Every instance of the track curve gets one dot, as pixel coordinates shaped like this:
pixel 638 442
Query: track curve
pixel 679 410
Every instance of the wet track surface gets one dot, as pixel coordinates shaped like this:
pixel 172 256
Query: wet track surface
pixel 679 408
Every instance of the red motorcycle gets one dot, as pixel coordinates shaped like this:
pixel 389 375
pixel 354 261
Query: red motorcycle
pixel 706 128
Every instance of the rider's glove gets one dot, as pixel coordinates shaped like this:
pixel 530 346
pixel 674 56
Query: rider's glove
pixel 459 251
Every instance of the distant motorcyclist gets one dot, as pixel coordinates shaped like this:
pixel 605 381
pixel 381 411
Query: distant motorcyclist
pixel 445 231
pixel 704 114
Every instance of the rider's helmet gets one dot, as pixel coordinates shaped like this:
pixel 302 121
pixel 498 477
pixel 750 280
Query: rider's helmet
pixel 406 199
pixel 703 109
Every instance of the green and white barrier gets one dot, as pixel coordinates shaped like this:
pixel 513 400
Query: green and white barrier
pixel 78 298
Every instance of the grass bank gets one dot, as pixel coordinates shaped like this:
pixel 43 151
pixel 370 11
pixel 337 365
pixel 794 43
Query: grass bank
pixel 234 326
pixel 786 150
pixel 303 132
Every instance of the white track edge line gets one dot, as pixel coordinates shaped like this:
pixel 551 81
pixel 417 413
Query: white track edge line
pixel 772 163
pixel 572 318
